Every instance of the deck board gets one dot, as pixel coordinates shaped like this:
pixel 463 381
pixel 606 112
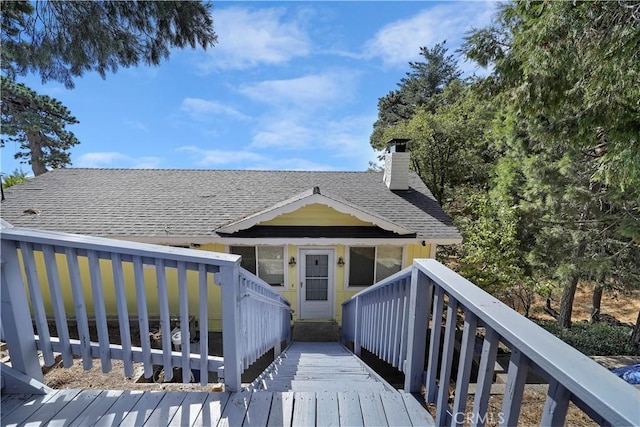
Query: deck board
pixel 193 405
pixel 120 408
pixel 327 409
pixel 235 410
pixel 166 409
pixel 11 402
pixel 178 408
pixel 350 410
pixel 304 408
pixel 329 393
pixel 258 412
pixel 392 402
pixel 100 405
pixel 281 413
pixel 143 409
pixel 30 405
pixel 74 408
pixel 372 409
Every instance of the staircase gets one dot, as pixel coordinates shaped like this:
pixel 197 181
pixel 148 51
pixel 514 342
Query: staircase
pixel 309 331
pixel 316 366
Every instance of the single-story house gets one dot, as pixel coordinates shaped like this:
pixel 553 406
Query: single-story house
pixel 316 237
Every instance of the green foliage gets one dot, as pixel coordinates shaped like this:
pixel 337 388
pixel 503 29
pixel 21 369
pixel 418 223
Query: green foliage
pixel 449 144
pixel 62 40
pixel 492 255
pixel 598 339
pixel 38 124
pixel 17 177
pixel 565 89
pixel 415 91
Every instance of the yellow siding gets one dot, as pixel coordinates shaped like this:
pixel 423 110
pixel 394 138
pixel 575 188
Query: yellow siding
pixel 289 291
pixel 316 215
pixel 106 272
pixel 416 251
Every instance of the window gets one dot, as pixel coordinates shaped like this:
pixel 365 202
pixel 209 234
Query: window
pixel 266 262
pixel 367 263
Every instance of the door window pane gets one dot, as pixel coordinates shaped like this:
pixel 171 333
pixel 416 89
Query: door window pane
pixel 248 254
pixel 271 264
pixel 317 265
pixel 317 289
pixel 388 261
pixel 361 264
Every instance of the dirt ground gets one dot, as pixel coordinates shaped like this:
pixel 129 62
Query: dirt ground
pixel 76 377
pixel 624 307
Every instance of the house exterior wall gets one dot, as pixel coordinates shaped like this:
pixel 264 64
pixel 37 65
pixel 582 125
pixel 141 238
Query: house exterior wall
pixel 290 291
pixel 308 215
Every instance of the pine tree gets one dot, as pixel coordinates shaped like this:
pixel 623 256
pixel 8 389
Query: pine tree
pixel 62 40
pixel 416 90
pixel 37 123
pixel 564 80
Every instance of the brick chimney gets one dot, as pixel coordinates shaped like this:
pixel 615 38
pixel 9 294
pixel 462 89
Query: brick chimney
pixel 396 165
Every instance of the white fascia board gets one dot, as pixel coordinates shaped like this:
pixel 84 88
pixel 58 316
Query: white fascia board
pixel 299 241
pixel 309 199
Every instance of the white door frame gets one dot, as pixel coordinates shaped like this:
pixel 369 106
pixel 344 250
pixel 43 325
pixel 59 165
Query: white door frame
pixel 331 285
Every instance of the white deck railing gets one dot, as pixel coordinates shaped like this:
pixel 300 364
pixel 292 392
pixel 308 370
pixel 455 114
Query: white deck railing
pixel 254 317
pixel 392 319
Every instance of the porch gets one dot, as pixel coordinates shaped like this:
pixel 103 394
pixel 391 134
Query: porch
pixel 391 320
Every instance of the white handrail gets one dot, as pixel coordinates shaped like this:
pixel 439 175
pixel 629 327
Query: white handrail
pixel 24 251
pixel 572 376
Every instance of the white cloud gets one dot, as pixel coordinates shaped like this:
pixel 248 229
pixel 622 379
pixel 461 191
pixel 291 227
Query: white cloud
pixel 399 42
pixel 116 160
pixel 247 38
pixel 137 125
pixel 283 133
pixel 206 158
pixel 199 108
pixel 343 137
pixel 307 91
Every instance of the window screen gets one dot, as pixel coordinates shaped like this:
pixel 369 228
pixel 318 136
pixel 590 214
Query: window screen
pixel 267 263
pixel 248 254
pixel 388 261
pixel 271 264
pixel 361 266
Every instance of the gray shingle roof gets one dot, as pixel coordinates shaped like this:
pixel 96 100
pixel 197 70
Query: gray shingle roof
pixel 194 203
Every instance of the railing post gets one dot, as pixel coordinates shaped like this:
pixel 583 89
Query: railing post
pixel 16 317
pixel 357 345
pixel 419 307
pixel 231 343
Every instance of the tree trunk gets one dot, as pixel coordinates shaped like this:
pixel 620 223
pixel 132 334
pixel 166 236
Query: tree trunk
pixel 566 303
pixel 569 292
pixel 35 146
pixel 635 336
pixel 550 310
pixel 596 301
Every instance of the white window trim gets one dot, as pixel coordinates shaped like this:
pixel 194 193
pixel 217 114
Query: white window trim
pixel 347 267
pixel 285 261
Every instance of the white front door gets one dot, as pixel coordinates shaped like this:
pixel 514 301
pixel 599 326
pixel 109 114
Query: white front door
pixel 316 284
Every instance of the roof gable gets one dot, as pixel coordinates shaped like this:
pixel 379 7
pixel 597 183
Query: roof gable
pixel 313 197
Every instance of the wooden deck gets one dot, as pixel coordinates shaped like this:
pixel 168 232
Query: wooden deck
pixel 319 366
pixel 155 408
pixel 310 384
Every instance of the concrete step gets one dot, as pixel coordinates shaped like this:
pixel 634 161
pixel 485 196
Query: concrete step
pixel 325 331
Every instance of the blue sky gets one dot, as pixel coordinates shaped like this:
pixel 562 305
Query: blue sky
pixel 289 86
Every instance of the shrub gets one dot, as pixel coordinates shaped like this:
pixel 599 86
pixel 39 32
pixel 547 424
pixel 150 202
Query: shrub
pixel 598 339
